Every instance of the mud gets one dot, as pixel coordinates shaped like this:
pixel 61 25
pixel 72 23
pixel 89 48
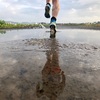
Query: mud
pixel 40 68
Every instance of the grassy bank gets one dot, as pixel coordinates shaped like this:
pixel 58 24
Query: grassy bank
pixel 75 25
pixel 4 25
pixel 84 25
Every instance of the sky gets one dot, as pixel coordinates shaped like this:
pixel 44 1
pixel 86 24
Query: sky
pixel 71 11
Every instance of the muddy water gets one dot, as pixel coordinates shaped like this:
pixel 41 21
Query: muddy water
pixel 35 67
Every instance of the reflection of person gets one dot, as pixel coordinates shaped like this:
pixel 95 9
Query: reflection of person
pixel 55 11
pixel 52 76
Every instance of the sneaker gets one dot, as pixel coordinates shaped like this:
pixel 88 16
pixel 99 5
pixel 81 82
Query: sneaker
pixel 52 29
pixel 53 25
pixel 47 11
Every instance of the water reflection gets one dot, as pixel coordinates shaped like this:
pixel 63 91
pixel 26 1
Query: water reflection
pixel 53 78
pixel 2 32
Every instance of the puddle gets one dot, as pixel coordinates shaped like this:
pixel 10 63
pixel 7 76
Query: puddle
pixel 75 35
pixel 33 66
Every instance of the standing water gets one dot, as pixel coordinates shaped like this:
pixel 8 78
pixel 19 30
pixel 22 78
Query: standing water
pixel 36 67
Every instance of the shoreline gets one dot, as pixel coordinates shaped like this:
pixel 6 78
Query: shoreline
pixel 58 27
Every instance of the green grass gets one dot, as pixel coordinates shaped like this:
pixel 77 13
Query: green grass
pixel 4 25
pixel 18 26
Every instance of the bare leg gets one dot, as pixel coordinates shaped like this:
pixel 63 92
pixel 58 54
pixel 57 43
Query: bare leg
pixel 55 11
pixel 48 1
pixel 56 8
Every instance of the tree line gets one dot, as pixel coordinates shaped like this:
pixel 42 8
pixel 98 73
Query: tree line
pixel 5 25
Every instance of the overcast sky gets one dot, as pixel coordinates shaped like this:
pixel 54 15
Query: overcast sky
pixel 71 11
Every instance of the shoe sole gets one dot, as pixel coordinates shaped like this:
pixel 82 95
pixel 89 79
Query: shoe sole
pixel 47 10
pixel 52 27
pixel 52 31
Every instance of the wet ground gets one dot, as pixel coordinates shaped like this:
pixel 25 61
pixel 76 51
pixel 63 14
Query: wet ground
pixel 35 67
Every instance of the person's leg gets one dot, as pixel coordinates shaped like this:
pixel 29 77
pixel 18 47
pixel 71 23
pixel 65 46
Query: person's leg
pixel 47 8
pixel 48 1
pixel 55 11
pixel 56 8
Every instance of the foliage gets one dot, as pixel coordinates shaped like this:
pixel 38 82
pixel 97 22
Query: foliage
pixel 2 22
pixel 5 25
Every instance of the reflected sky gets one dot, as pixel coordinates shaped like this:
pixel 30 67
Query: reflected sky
pixel 71 35
pixel 80 35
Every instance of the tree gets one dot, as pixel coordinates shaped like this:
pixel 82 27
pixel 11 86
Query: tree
pixel 2 22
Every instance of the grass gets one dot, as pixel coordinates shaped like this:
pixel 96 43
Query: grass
pixel 4 25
